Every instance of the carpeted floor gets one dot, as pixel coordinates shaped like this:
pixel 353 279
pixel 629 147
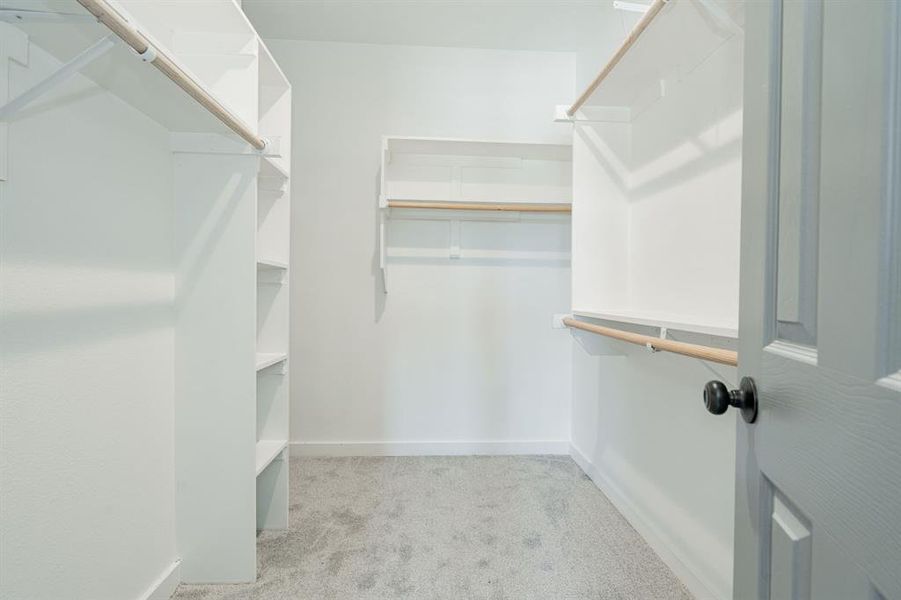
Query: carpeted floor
pixel 455 528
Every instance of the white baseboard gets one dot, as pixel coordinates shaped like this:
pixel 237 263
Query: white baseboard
pixel 164 586
pixel 656 539
pixel 485 448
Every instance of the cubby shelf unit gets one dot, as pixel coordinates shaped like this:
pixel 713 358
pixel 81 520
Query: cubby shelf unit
pixel 657 174
pixel 208 79
pixel 459 180
pixel 272 249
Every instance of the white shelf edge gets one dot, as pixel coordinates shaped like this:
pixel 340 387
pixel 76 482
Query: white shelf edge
pixel 270 264
pixel 499 203
pixel 475 254
pixel 508 216
pixel 267 359
pixel 178 61
pixel 267 451
pixel 725 331
pixel 414 138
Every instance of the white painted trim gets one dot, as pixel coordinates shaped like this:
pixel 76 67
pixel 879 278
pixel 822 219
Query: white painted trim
pixel 164 586
pixel 462 448
pixel 689 574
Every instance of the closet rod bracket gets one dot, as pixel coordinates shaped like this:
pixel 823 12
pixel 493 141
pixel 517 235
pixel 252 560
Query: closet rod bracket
pixel 149 55
pixel 630 6
pixel 61 75
pixel 650 345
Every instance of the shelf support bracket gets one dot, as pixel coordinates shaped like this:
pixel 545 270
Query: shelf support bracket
pixel 651 347
pixel 61 75
pixel 631 6
pixel 383 247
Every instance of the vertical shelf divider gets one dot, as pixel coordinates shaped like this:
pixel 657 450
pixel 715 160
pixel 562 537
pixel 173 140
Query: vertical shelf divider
pixel 273 293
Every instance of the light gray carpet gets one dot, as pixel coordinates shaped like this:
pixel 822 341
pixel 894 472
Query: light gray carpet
pixel 455 528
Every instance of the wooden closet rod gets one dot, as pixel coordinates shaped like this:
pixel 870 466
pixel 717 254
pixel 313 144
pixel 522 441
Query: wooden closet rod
pixel 521 207
pixel 116 23
pixel 717 355
pixel 633 36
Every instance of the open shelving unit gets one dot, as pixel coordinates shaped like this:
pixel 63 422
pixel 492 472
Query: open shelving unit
pixel 462 181
pixel 206 77
pixel 657 174
pixel 272 249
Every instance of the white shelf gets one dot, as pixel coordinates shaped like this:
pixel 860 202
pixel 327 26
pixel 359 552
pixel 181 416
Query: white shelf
pixel 218 17
pixel 678 39
pixel 674 322
pixel 267 359
pixel 271 166
pixel 475 171
pixel 268 451
pixel 470 180
pixel 273 251
pixel 270 264
pixel 473 147
pixel 120 70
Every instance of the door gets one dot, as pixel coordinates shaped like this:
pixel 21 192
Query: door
pixel 818 488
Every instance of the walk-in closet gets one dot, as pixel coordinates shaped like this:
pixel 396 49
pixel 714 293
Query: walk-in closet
pixel 452 299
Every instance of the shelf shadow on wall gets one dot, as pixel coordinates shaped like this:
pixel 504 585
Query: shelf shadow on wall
pixel 379 290
pixel 26 332
pixel 705 158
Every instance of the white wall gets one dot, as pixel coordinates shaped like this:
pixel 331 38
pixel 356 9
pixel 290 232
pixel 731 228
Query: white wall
pixel 86 418
pixel 639 425
pixel 641 431
pixel 458 351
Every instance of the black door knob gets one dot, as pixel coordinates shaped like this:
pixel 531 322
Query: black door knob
pixel 718 398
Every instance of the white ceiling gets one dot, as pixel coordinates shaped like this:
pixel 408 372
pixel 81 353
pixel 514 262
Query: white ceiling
pixel 550 25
